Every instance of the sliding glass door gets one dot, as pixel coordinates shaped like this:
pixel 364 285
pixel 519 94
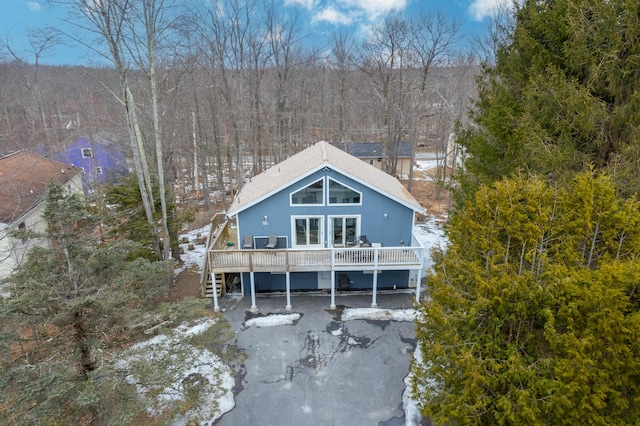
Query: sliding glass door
pixel 307 231
pixel 344 230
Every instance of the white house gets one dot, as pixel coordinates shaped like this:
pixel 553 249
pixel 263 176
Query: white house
pixel 24 178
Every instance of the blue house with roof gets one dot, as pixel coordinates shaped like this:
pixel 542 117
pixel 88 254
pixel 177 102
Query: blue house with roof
pixel 102 163
pixel 322 220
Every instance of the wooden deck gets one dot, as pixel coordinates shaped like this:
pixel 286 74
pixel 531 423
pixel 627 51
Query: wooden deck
pixel 300 260
pixel 224 258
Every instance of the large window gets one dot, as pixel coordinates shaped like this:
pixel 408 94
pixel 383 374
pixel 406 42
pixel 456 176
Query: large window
pixel 310 195
pixel 87 153
pixel 344 230
pixel 342 194
pixel 307 231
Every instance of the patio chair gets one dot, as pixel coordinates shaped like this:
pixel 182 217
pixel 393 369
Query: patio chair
pixel 247 243
pixel 343 282
pixel 273 242
pixel 363 241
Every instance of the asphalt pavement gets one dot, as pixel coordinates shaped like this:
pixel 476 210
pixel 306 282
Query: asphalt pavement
pixel 320 370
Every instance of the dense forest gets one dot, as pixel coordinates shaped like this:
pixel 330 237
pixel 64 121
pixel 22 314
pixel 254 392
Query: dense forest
pixel 239 90
pixel 217 92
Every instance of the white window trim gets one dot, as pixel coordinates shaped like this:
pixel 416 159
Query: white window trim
pixel 330 237
pixel 321 232
pixel 328 192
pixel 90 152
pixel 324 192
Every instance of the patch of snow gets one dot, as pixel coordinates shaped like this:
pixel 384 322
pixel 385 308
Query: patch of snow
pixel 431 236
pixel 271 320
pixel 183 363
pixel 192 258
pixel 411 411
pixel 378 314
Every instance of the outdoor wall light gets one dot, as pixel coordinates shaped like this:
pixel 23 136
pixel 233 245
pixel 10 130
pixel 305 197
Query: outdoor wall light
pixel 265 220
pixel 386 216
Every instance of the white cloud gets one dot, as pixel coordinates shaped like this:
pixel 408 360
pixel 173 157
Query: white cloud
pixel 307 4
pixel 34 6
pixel 481 9
pixel 333 16
pixel 374 8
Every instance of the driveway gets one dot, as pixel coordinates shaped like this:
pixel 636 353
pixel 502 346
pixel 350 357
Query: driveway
pixel 320 370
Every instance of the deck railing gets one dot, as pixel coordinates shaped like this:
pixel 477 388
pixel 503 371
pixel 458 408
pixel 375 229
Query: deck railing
pixel 314 259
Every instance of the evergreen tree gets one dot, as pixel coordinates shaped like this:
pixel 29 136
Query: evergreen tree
pixel 534 316
pixel 73 305
pixel 563 93
pixel 125 197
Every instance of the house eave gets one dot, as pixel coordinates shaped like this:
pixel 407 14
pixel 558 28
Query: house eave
pixel 325 164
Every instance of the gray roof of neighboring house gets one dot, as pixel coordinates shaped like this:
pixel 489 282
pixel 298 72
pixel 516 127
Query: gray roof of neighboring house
pixel 24 178
pixel 308 161
pixel 372 149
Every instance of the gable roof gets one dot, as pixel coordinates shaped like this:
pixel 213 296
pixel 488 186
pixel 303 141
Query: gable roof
pixel 372 149
pixel 24 178
pixel 310 160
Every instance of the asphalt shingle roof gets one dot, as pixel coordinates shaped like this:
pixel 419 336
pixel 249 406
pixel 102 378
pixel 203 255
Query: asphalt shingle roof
pixel 24 178
pixel 372 149
pixel 314 158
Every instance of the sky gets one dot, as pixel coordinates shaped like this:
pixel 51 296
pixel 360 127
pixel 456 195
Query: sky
pixel 19 18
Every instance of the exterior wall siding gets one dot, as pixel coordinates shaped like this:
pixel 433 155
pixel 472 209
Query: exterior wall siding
pixel 308 281
pixel 6 264
pixel 13 251
pixel 112 162
pixel 386 279
pixel 389 231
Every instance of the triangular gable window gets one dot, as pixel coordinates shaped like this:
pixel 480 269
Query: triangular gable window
pixel 342 194
pixel 310 195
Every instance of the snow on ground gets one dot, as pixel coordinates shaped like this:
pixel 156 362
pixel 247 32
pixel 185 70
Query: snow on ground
pixel 192 258
pixel 184 365
pixel 271 320
pixel 426 166
pixel 412 416
pixel 430 235
pixel 378 314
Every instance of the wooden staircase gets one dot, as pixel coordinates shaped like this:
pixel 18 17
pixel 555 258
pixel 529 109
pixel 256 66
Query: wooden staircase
pixel 218 238
pixel 220 286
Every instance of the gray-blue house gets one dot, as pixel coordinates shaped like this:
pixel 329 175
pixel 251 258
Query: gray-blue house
pixel 320 220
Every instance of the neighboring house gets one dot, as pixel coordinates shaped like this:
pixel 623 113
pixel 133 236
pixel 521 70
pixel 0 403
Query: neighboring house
pixel 24 179
pixel 320 220
pixel 371 153
pixel 101 163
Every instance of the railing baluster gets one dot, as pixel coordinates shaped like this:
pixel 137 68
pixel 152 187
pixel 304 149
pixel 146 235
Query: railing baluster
pixel 281 259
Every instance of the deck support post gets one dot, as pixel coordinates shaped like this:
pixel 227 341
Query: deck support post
pixel 288 278
pixel 216 307
pixel 420 275
pixel 254 308
pixel 374 301
pixel 333 290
